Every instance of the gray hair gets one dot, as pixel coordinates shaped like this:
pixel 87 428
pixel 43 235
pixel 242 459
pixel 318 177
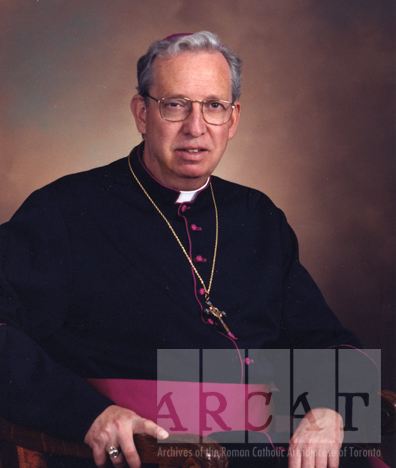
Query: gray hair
pixel 170 47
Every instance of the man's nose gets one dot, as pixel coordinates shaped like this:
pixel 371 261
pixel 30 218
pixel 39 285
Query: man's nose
pixel 194 124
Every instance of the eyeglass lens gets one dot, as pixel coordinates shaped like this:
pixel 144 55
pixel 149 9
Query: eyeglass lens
pixel 177 109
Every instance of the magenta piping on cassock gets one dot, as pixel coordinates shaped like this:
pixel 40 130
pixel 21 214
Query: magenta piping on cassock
pixel 360 351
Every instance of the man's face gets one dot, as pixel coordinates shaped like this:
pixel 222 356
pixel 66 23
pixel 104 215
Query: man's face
pixel 170 147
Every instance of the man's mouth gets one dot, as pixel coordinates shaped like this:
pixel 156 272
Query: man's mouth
pixel 192 150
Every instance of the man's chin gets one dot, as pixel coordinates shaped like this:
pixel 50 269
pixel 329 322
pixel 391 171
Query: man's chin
pixel 189 180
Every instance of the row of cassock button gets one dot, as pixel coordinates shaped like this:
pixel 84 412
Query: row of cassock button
pixel 198 258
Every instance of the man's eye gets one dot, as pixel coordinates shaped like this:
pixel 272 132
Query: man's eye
pixel 214 106
pixel 174 104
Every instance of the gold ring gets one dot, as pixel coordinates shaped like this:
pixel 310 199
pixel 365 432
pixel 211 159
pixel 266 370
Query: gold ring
pixel 113 452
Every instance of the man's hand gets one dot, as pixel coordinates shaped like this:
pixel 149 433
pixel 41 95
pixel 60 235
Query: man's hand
pixel 115 427
pixel 317 440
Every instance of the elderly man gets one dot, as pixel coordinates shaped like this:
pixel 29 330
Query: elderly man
pixel 101 269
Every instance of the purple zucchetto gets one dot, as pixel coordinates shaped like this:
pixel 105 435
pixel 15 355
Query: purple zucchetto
pixel 174 36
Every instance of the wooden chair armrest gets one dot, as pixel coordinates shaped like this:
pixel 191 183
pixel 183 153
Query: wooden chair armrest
pixel 181 450
pixel 178 450
pixel 40 442
pixel 388 412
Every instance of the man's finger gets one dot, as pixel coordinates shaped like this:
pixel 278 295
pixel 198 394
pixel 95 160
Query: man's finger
pixel 149 427
pixel 100 456
pixel 321 458
pixel 308 459
pixel 294 458
pixel 129 452
pixel 334 459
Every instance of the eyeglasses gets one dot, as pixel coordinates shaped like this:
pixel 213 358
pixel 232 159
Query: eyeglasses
pixel 176 109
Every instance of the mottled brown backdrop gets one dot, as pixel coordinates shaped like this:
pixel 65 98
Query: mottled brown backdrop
pixel 316 135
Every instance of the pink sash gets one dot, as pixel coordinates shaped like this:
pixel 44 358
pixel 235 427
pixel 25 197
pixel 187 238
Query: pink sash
pixel 193 407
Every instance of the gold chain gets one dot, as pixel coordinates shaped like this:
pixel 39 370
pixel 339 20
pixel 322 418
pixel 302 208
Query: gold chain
pixel 207 291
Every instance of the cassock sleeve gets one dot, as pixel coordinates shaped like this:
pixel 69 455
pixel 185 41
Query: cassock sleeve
pixel 308 324
pixel 307 320
pixel 35 281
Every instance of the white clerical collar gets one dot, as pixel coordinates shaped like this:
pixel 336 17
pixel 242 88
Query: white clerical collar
pixel 190 195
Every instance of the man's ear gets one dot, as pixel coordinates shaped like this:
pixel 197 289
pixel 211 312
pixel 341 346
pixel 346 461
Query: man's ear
pixel 233 125
pixel 138 108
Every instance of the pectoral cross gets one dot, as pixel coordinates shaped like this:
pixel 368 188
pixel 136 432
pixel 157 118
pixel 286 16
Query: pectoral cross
pixel 219 314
